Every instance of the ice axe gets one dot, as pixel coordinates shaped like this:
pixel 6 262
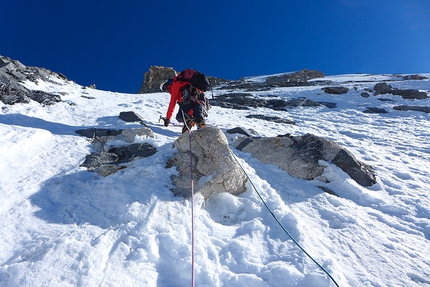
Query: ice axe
pixel 165 121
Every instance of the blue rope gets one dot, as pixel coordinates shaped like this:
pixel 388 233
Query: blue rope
pixel 280 224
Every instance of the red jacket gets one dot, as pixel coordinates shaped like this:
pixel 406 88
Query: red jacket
pixel 175 89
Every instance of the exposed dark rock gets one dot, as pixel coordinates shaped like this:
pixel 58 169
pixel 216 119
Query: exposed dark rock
pixel 328 104
pixel 12 73
pixel 294 79
pixel 96 159
pixel 94 132
pixel 243 131
pixel 14 93
pixel 238 101
pixel 131 117
pixel 244 85
pixel 365 94
pixel 301 102
pixel 108 158
pixel 414 77
pixel 384 88
pixel 244 143
pixel 410 94
pixel 102 163
pixel 130 152
pixel 370 110
pixel 413 108
pixel 44 98
pixel 88 97
pixel 272 119
pixel 386 100
pixel 335 90
pixel 11 94
pixel 3 62
pixel 244 101
pixel 358 171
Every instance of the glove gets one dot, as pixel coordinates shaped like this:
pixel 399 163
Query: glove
pixel 166 122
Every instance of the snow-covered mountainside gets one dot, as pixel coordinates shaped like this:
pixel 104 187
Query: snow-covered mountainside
pixel 65 226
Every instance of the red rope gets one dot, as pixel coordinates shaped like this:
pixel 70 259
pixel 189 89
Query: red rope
pixel 192 213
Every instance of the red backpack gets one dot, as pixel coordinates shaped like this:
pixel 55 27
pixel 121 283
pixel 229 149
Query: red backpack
pixel 195 78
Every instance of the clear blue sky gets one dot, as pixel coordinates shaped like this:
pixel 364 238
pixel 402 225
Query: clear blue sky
pixel 113 43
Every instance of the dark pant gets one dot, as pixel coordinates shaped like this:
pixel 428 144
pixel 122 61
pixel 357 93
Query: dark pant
pixel 198 111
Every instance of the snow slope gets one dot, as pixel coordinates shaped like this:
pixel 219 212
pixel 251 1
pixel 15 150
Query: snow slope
pixel 64 226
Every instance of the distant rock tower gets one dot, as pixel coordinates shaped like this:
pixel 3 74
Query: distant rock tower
pixel 153 78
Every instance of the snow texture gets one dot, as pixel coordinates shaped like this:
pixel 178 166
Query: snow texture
pixel 64 226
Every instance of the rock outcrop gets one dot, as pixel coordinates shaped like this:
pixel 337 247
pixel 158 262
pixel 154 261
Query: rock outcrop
pixel 215 170
pixel 300 156
pixel 153 78
pixel 108 159
pixel 246 101
pixel 294 79
pixel 300 78
pixel 12 92
pixel 335 90
pixel 413 108
pixel 384 88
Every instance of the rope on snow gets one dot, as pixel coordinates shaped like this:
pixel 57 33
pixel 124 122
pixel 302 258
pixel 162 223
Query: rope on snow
pixel 262 200
pixel 280 224
pixel 192 202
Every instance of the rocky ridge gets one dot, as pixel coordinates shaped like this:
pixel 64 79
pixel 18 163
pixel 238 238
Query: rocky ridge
pixel 13 73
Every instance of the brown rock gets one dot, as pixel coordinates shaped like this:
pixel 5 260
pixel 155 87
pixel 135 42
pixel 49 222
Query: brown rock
pixel 153 78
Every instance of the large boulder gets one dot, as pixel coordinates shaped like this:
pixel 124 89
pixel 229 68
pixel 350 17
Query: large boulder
pixel 300 156
pixel 214 167
pixel 153 78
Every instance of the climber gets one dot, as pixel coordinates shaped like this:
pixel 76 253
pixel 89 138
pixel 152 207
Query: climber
pixel 192 102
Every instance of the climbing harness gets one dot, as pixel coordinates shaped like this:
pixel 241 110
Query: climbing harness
pixel 280 224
